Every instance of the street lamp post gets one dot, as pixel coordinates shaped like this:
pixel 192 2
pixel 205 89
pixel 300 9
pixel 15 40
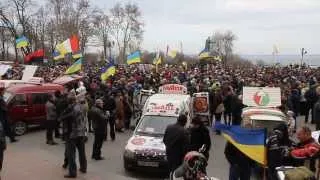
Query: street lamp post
pixel 303 52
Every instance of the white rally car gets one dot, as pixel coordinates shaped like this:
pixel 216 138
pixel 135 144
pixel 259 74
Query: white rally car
pixel 145 149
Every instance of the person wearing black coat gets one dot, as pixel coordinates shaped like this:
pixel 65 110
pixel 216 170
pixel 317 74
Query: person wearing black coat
pixel 227 101
pixel 176 141
pixel 240 164
pixel 199 136
pixel 237 107
pixel 99 119
pixel 110 105
pixel 316 110
pixel 277 150
pixel 311 97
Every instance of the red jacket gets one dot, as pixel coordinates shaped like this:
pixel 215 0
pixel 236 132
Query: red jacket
pixel 306 150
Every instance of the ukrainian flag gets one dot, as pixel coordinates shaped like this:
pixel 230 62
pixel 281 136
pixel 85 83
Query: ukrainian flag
pixel 204 54
pixel 75 67
pixel 110 70
pixel 22 42
pixel 157 59
pixel 134 57
pixel 251 142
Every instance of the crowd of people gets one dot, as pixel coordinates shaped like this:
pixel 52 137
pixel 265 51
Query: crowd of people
pixel 91 105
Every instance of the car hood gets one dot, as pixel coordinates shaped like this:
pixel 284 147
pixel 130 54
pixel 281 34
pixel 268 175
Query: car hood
pixel 138 143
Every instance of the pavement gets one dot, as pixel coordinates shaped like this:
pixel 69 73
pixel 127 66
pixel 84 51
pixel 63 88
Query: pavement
pixel 32 159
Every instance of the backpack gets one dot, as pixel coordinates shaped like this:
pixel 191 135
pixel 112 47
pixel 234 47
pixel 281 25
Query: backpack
pixel 299 173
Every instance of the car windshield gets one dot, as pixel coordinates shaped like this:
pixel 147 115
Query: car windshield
pixel 7 96
pixel 154 125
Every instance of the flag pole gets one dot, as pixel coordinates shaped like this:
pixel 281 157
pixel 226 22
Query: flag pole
pixel 156 67
pixel 265 155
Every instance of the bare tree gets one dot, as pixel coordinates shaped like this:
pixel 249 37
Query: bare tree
pixel 127 27
pixel 103 27
pixel 8 22
pixel 223 44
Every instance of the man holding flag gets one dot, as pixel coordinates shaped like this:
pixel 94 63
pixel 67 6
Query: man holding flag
pixel 240 164
pixel 245 147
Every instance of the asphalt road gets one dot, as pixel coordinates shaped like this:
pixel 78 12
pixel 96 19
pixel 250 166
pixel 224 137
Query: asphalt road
pixel 32 159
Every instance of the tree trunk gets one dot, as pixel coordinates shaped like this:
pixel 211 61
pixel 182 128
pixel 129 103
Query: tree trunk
pixel 3 45
pixel 15 52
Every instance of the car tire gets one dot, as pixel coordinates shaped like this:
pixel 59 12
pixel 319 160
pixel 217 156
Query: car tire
pixel 20 128
pixel 127 167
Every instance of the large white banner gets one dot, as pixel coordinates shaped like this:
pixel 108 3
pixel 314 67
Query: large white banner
pixel 262 96
pixel 4 68
pixel 28 72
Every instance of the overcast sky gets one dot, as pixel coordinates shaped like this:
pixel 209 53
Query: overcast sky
pixel 258 24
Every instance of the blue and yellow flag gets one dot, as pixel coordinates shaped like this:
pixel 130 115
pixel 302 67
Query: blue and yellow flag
pixel 75 67
pixel 204 54
pixel 110 70
pixel 157 59
pixel 134 57
pixel 251 142
pixel 22 42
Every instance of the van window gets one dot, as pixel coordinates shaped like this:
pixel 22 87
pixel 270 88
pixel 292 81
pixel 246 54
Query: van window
pixel 39 98
pixel 19 99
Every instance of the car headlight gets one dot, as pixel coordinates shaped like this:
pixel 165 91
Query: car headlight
pixel 129 154
pixel 165 158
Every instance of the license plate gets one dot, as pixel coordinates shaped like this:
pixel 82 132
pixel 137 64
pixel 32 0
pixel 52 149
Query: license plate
pixel 148 164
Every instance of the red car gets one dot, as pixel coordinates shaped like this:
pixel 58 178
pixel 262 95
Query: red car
pixel 26 104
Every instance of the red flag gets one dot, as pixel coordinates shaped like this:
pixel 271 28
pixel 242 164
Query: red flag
pixel 38 54
pixel 74 41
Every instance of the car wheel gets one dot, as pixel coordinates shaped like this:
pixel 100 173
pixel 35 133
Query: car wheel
pixel 127 167
pixel 20 128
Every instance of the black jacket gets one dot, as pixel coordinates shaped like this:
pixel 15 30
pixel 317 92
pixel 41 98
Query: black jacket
pixel 316 112
pixel 66 118
pixel 109 104
pixel 311 95
pixel 278 147
pixel 61 104
pixel 198 137
pixel 228 103
pixel 99 120
pixel 237 107
pixel 176 141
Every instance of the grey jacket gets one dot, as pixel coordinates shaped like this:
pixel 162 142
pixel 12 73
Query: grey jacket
pixel 51 111
pixel 78 122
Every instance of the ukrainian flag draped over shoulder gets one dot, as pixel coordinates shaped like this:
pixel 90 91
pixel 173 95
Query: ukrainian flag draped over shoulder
pixel 134 57
pixel 110 70
pixel 250 142
pixel 75 67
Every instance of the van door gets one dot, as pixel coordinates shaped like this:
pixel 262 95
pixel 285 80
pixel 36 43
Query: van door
pixel 38 103
pixel 18 108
